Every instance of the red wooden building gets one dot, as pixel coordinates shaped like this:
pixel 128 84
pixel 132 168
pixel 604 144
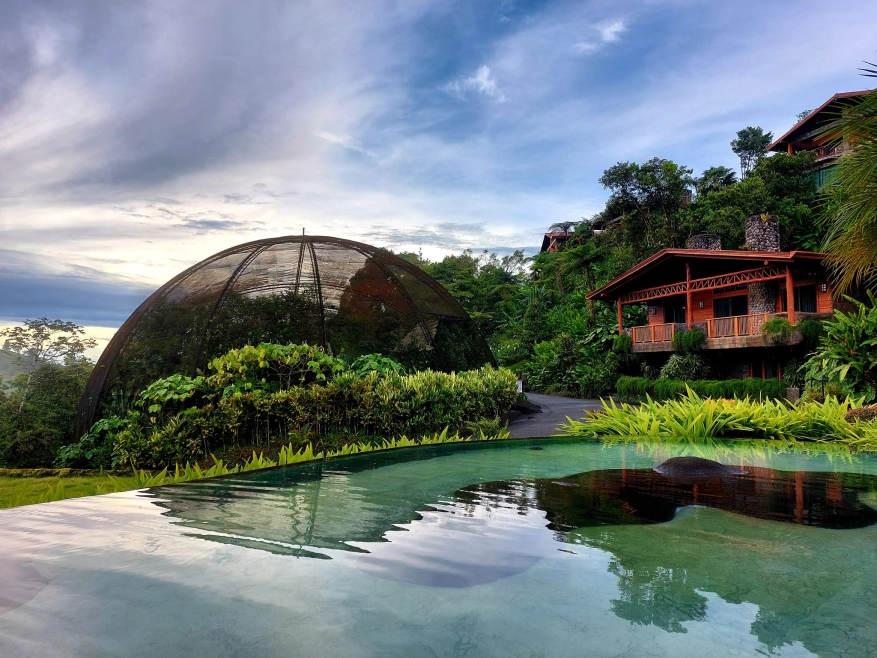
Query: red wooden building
pixel 728 294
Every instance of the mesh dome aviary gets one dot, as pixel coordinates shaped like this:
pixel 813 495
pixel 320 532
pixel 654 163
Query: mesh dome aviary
pixel 349 297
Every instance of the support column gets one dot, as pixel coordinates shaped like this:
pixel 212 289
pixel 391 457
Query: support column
pixel 689 309
pixel 790 295
pixel 620 318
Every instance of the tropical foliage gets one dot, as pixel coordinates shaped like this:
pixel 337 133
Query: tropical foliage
pixel 666 389
pixel 541 324
pixel 695 417
pixel 850 214
pixel 256 395
pixel 847 351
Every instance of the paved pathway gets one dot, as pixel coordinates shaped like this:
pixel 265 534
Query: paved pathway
pixel 555 409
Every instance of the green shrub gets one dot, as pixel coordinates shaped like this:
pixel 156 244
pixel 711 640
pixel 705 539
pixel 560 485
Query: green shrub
pixel 811 331
pixel 622 344
pixel 793 374
pixel 377 363
pixel 776 331
pixel 668 389
pixel 257 395
pixel 564 365
pixel 684 366
pixel 634 387
pixel 596 372
pixel 689 342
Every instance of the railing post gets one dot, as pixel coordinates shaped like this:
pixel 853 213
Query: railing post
pixel 736 325
pixel 620 318
pixel 689 311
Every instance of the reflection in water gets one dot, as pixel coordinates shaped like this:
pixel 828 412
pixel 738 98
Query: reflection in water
pixel 611 497
pixel 778 549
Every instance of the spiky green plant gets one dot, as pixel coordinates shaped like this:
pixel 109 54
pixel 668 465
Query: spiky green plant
pixel 696 418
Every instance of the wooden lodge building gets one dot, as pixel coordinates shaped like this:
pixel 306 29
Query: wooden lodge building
pixel 813 133
pixel 728 294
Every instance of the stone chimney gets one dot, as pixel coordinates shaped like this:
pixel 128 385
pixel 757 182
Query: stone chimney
pixel 704 241
pixel 762 234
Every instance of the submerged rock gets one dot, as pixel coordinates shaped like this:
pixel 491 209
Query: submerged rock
pixel 696 467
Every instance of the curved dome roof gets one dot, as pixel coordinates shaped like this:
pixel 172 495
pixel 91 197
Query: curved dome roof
pixel 349 297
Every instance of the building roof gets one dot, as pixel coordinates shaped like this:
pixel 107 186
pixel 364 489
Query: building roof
pixel 814 123
pixel 546 241
pixel 668 266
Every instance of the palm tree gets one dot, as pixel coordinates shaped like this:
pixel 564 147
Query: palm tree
pixel 714 179
pixel 565 227
pixel 850 212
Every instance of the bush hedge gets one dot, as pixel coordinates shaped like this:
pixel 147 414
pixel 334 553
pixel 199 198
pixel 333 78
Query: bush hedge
pixel 668 389
pixel 256 395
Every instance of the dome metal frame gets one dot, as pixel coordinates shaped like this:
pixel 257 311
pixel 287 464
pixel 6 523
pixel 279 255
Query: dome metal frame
pixel 346 296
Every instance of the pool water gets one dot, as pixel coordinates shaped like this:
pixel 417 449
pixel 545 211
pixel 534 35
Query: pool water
pixel 542 548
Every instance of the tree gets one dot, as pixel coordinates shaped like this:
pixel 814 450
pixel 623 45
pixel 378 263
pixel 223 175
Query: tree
pixel 44 341
pixel 750 146
pixel 800 116
pixel 850 214
pixel 714 179
pixel 565 227
pixel 648 196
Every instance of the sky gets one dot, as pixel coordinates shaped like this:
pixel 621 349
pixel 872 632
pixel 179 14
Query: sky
pixel 139 138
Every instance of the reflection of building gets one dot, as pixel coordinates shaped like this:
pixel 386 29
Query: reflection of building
pixel 349 297
pixel 809 134
pixel 728 294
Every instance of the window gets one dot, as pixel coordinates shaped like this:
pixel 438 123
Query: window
pixel 805 299
pixel 726 307
pixel 674 313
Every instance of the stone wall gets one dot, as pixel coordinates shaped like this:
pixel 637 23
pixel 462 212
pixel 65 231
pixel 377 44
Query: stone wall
pixel 762 233
pixel 704 241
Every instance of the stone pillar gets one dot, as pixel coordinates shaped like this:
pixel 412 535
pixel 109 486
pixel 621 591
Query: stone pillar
pixel 762 234
pixel 704 241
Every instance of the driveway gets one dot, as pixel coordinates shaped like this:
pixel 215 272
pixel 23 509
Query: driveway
pixel 555 409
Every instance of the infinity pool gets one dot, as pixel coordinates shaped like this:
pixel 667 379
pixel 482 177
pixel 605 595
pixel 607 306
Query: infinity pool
pixel 541 548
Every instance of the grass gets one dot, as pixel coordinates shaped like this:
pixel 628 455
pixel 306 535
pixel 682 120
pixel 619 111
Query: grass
pixel 17 491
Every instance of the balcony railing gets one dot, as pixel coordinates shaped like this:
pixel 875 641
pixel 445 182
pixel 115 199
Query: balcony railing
pixel 653 333
pixel 826 152
pixel 738 325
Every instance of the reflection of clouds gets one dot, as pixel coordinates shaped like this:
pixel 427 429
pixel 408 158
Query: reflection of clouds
pixel 448 547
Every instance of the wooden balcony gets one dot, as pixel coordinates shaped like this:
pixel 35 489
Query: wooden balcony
pixel 738 325
pixel 721 333
pixel 653 333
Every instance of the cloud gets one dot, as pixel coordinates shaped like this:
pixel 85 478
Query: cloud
pixel 134 144
pixel 347 142
pixel 481 82
pixel 607 32
pixel 80 295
